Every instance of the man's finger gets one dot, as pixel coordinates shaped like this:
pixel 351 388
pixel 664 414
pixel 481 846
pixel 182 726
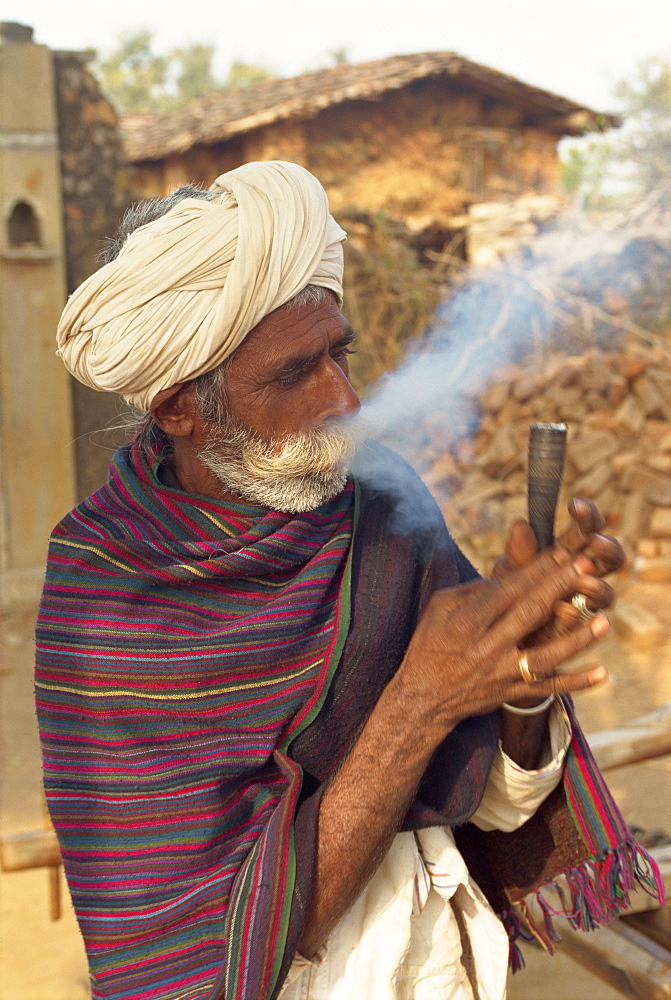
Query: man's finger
pixel 586 515
pixel 606 553
pixel 586 519
pixel 524 599
pixel 521 547
pixel 544 659
pixel 564 683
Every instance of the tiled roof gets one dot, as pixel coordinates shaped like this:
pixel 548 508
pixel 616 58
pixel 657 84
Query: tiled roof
pixel 221 115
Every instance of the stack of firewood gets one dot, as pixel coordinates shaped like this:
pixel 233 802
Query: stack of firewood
pixel 617 405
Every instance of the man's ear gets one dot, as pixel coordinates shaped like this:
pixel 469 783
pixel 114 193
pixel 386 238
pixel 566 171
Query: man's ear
pixel 172 409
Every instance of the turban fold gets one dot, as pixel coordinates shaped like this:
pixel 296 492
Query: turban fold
pixel 186 289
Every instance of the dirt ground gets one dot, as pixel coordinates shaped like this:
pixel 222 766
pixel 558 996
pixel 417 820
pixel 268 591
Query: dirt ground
pixel 41 959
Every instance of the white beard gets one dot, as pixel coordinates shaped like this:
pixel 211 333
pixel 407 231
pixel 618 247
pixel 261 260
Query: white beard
pixel 298 474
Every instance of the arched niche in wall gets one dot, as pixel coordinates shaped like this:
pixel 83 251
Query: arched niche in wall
pixel 22 233
pixel 23 227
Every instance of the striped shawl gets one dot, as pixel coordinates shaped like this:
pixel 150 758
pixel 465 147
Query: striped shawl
pixel 202 671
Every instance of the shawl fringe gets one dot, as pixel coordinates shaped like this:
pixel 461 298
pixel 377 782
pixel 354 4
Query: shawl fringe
pixel 589 895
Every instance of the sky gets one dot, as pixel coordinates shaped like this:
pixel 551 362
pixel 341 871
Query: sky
pixel 576 48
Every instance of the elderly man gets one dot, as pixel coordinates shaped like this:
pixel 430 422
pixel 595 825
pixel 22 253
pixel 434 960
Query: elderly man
pixel 286 741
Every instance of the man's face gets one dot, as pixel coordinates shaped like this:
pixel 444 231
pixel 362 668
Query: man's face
pixel 287 395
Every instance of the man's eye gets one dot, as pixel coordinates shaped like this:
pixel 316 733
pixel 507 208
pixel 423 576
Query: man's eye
pixel 343 352
pixel 292 379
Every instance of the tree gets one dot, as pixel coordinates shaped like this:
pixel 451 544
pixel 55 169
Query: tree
pixel 586 167
pixel 646 139
pixel 136 78
pixel 339 55
pixel 194 74
pixel 241 74
pixel 634 159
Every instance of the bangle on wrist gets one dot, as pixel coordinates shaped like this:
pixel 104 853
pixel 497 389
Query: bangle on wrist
pixel 534 710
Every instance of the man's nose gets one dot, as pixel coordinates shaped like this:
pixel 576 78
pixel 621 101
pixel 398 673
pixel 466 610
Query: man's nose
pixel 339 399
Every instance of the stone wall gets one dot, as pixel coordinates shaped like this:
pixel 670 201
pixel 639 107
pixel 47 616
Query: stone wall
pixel 96 191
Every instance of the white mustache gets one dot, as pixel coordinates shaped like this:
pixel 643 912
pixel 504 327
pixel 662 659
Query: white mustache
pixel 295 474
pixel 302 454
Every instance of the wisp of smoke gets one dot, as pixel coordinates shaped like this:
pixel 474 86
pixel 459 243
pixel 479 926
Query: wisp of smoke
pixel 498 316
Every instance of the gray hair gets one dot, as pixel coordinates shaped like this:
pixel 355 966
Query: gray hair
pixel 145 212
pixel 209 390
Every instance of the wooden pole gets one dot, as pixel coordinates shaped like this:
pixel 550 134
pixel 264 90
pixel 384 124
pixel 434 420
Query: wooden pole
pixel 31 849
pixel 635 741
pixel 627 960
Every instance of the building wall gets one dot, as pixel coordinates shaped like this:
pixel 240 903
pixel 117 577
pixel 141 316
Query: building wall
pixel 37 473
pixel 425 151
pixel 199 165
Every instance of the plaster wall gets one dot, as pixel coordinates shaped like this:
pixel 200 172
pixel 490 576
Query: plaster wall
pixel 427 152
pixel 37 485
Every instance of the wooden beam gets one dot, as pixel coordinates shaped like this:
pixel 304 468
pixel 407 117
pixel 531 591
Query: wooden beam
pixel 31 849
pixel 627 960
pixel 641 739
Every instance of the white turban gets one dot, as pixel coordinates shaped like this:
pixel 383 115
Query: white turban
pixel 186 289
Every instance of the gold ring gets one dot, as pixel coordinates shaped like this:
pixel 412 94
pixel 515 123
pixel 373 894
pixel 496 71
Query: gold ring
pixel 522 662
pixel 580 604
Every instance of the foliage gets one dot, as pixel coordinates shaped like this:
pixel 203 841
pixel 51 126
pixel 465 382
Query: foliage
pixel 339 55
pixel 195 77
pixel 133 75
pixel 647 142
pixel 241 74
pixel 137 78
pixel 635 158
pixel 586 168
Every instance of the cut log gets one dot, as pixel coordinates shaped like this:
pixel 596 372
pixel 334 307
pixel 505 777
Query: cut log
pixel 623 957
pixel 638 625
pixel 640 739
pixel 629 416
pixel 661 522
pixel 32 849
pixel 654 570
pixel 592 448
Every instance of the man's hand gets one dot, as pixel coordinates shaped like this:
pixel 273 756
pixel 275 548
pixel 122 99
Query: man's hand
pixel 523 737
pixel 582 536
pixel 463 659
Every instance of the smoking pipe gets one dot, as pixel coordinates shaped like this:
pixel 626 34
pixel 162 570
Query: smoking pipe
pixel 547 447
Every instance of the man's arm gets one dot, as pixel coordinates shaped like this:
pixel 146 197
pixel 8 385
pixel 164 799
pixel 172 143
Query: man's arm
pixel 461 662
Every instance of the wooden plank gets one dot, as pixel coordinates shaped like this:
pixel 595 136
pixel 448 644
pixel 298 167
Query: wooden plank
pixel 624 958
pixel 31 849
pixel 655 924
pixel 635 741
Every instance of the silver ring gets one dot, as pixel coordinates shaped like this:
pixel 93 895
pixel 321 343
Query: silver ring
pixel 580 604
pixel 522 662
